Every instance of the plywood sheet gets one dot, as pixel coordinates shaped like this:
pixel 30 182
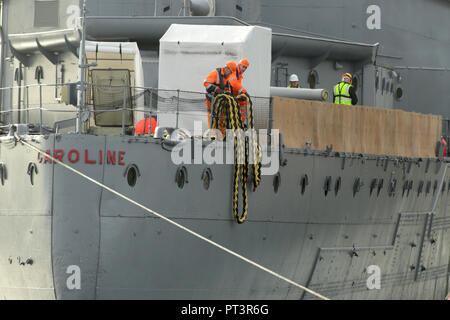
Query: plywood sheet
pixel 358 129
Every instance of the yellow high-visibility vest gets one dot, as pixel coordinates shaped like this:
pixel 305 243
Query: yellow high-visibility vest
pixel 342 93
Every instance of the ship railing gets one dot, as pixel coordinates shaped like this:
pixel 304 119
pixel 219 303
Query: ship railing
pixel 54 106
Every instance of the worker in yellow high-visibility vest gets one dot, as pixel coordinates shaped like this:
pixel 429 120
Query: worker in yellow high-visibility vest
pixel 344 92
pixel 293 81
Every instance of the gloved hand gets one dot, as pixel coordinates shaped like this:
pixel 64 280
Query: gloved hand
pixel 211 89
pixel 218 90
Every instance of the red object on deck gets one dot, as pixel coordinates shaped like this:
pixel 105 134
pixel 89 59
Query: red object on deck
pixel 140 126
pixel 445 147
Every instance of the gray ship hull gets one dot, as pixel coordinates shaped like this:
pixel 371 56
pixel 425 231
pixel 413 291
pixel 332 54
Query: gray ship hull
pixel 326 242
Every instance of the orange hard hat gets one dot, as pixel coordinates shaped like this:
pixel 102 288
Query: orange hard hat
pixel 348 75
pixel 231 65
pixel 244 62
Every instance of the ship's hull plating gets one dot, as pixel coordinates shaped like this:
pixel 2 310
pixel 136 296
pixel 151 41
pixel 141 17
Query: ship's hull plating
pixel 326 242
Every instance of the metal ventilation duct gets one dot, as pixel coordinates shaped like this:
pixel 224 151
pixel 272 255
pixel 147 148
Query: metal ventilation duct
pixel 203 7
pixel 299 93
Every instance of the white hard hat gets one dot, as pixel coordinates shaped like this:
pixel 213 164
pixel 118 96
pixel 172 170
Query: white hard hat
pixel 293 77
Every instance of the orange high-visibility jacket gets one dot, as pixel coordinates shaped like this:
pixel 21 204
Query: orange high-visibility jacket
pixel 236 83
pixel 141 128
pixel 217 79
pixel 237 89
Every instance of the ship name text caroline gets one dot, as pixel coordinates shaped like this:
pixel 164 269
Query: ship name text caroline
pixel 110 157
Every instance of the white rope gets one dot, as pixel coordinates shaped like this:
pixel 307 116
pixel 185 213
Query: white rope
pixel 170 221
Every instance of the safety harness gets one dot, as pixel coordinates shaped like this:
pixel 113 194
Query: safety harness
pixel 220 82
pixel 227 105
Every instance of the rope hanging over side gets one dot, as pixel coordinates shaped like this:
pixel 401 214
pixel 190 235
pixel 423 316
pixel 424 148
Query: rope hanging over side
pixel 256 149
pixel 227 114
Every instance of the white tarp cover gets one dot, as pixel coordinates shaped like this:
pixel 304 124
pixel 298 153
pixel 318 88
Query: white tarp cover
pixel 188 53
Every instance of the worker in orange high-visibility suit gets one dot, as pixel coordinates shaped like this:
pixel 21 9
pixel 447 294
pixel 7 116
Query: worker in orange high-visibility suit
pixel 237 88
pixel 142 128
pixel 217 82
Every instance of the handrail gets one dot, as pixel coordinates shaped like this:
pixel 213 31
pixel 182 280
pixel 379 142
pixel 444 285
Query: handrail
pixel 37 85
pixel 139 100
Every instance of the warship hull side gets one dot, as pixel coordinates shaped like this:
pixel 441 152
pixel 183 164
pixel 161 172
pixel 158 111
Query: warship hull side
pixel 25 227
pixel 326 242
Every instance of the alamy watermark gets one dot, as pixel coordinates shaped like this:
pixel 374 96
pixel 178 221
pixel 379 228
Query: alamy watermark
pixel 73 281
pixel 374 280
pixel 223 151
pixel 73 19
pixel 374 20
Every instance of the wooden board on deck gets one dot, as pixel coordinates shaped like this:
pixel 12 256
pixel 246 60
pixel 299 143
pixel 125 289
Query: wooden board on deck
pixel 359 129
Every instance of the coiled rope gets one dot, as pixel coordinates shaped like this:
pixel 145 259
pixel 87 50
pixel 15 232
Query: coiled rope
pixel 226 112
pixel 19 139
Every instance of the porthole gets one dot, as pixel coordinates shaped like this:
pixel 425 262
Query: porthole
pixel 276 182
pixel 392 187
pixel 3 173
pixel 380 186
pixel 303 183
pixel 428 188
pixel 399 93
pixel 357 184
pixel 373 184
pixel 132 177
pixel 405 187
pixel 206 178
pixel 420 188
pixel 327 185
pixel 132 173
pixel 410 186
pixel 337 185
pixel 181 177
pixel 32 170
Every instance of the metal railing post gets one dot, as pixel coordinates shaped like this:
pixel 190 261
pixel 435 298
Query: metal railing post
pixel 40 108
pixel 270 113
pixel 151 102
pixel 123 109
pixel 11 107
pixel 28 103
pixel 178 106
pixel 81 73
pixel 270 124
